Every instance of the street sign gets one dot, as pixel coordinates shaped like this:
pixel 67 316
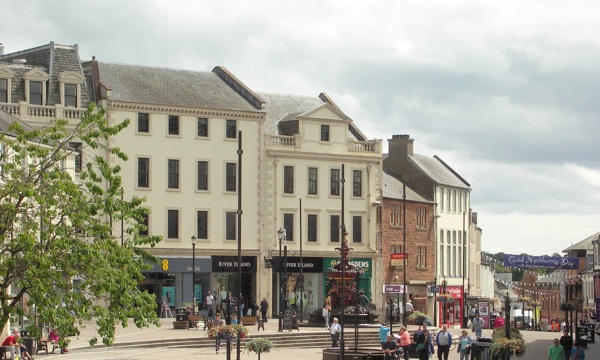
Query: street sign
pixel 393 289
pixel 433 289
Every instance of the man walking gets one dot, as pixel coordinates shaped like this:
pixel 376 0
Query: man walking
pixel 556 351
pixel 209 303
pixel 443 341
pixel 566 341
pixel 477 325
pixel 335 330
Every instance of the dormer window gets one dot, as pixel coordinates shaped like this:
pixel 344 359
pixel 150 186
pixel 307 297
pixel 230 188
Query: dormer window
pixel 36 81
pixel 70 88
pixel 6 75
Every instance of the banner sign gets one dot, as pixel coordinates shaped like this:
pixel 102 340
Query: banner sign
pixel 548 262
pixel 398 259
pixel 394 289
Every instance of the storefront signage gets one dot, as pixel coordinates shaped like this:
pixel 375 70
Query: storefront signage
pixel 547 262
pixel 361 263
pixel 393 289
pixel 229 264
pixel 308 264
pixel 398 259
pixel 179 265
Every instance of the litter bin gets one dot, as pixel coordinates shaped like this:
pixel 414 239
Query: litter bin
pixel 591 333
pixel 582 336
pixel 181 317
pixel 28 342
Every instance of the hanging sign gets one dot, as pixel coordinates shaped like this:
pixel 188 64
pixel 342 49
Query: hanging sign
pixel 547 262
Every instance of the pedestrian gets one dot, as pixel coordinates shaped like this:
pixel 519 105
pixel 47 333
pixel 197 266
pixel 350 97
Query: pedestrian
pixel 252 305
pixel 264 306
pixel 566 341
pixel 577 352
pixel 464 345
pixel 242 304
pixel 363 300
pixel 423 343
pixel 443 341
pixel 335 330
pixel 217 322
pixel 409 308
pixel 389 347
pixel 498 321
pixel 209 303
pixel 477 325
pixel 327 310
pixel 384 331
pixel 404 341
pixel 556 351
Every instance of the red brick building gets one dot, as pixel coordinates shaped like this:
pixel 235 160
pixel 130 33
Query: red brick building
pixel 411 255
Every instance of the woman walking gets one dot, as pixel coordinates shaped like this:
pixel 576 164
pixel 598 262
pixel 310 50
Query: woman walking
pixel 464 345
pixel 327 311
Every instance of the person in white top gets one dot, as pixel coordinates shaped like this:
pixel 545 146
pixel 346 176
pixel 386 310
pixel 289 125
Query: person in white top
pixel 335 330
pixel 409 307
pixel 209 303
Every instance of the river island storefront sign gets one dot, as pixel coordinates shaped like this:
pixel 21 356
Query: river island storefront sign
pixel 229 264
pixel 548 262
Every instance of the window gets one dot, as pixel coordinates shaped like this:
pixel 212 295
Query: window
pixel 396 215
pixel 357 183
pixel 202 175
pixel 421 256
pixel 173 224
pixel 143 173
pixel 334 228
pixel 4 90
pixel 202 127
pixel 288 225
pixel 146 224
pixel 421 218
pixel 312 228
pixel 230 225
pixel 357 229
pixel 70 95
pixel 395 249
pixel 324 132
pixel 143 123
pixel 173 174
pixel 35 92
pixel 230 177
pixel 231 129
pixel 288 179
pixel 76 146
pixel 202 224
pixel 335 182
pixel 448 200
pixel 173 125
pixel 454 200
pixel 312 180
pixel 441 200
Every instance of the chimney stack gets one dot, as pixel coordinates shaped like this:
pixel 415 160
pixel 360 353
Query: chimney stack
pixel 1 49
pixel 400 146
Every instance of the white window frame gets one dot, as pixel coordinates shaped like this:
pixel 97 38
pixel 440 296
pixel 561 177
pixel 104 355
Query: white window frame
pixel 71 78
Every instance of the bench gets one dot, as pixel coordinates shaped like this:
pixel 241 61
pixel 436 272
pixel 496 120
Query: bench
pixel 194 320
pixel 248 320
pixel 42 345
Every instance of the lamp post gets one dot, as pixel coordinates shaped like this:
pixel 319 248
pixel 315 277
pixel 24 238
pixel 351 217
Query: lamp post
pixel 404 287
pixel 193 272
pixel 444 299
pixel 281 235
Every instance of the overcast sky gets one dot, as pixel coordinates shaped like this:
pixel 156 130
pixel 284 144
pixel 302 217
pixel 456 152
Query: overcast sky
pixel 506 92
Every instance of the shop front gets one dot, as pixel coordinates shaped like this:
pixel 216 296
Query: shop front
pixel 225 277
pixel 171 280
pixel 352 284
pixel 450 305
pixel 300 288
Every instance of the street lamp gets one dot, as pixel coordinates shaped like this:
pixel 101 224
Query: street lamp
pixel 444 299
pixel 281 235
pixel 193 272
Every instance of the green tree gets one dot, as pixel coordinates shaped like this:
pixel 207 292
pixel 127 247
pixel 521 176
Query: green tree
pixel 58 249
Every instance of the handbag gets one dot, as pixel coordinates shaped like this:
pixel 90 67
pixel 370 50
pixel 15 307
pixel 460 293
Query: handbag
pixel 420 346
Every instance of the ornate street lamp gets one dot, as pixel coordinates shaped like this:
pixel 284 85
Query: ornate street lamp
pixel 193 273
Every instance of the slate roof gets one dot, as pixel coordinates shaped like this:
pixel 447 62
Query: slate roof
pixel 438 171
pixel 392 189
pixel 54 59
pixel 165 86
pixel 283 106
pixel 585 244
pixel 6 120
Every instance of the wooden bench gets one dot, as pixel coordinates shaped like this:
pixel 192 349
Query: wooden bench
pixel 194 320
pixel 248 320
